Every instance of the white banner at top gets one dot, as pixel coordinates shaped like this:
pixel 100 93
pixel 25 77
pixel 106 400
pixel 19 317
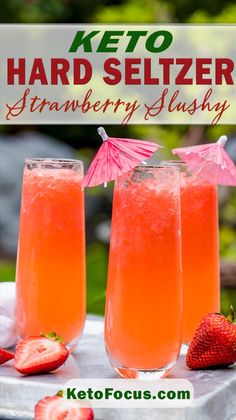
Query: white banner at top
pixel 117 74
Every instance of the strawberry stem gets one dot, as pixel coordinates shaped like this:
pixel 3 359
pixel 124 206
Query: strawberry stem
pixel 60 393
pixel 52 336
pixel 231 316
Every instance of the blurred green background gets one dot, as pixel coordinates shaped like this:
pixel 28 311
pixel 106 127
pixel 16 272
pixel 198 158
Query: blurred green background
pixel 85 140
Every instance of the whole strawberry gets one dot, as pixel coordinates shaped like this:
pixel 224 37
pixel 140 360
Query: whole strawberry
pixel 214 342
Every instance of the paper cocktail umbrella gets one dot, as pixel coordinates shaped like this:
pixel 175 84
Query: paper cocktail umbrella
pixel 115 157
pixel 210 161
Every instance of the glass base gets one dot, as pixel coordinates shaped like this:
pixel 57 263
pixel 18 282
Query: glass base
pixel 73 344
pixel 184 348
pixel 130 373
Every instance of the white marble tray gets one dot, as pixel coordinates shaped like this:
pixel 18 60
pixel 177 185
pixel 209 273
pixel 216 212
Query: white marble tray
pixel 215 390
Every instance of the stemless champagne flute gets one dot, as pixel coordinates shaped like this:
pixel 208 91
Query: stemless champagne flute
pixel 50 273
pixel 143 319
pixel 200 248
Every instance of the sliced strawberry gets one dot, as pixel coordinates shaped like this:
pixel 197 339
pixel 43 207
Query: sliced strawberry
pixel 5 356
pixel 40 354
pixel 58 408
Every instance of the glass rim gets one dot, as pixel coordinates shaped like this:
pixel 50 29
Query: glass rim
pixel 53 164
pixel 173 162
pixel 152 166
pixel 53 160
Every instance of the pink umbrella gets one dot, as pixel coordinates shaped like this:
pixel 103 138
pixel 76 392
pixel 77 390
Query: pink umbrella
pixel 115 157
pixel 210 161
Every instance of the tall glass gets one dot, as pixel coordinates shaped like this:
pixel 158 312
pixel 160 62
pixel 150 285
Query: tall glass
pixel 143 318
pixel 200 249
pixel 50 272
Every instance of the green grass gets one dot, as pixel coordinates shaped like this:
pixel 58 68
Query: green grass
pixel 228 297
pixel 7 271
pixel 97 260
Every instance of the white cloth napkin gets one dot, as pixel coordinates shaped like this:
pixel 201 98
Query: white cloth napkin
pixel 8 335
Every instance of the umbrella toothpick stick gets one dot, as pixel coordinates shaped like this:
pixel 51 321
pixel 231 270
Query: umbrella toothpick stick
pixel 104 136
pixel 102 133
pixel 222 140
